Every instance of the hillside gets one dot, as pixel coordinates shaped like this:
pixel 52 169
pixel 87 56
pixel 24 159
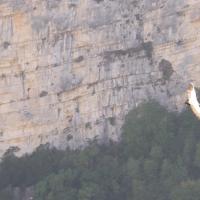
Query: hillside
pixel 158 158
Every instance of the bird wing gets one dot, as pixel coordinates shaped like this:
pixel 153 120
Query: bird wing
pixel 192 100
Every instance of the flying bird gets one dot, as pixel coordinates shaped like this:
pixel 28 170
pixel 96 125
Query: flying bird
pixel 192 100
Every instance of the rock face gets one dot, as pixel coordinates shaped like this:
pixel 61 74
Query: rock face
pixel 70 70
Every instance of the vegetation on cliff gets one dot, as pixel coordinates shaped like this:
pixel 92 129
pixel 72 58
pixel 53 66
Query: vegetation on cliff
pixel 158 158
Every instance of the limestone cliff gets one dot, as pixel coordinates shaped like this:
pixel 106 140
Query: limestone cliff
pixel 70 70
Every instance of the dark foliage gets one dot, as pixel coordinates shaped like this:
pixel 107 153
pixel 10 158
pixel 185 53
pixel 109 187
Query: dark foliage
pixel 158 158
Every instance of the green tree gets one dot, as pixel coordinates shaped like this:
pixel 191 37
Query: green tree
pixel 187 190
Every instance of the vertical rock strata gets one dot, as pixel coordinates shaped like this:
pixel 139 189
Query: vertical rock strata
pixel 70 70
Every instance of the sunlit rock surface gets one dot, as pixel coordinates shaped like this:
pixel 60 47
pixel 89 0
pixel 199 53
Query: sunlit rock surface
pixel 70 70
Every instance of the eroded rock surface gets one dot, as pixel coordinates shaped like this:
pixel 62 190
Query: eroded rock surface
pixel 70 70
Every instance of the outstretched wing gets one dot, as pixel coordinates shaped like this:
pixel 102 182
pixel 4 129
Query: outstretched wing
pixel 192 100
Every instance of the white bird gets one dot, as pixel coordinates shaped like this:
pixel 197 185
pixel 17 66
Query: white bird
pixel 192 100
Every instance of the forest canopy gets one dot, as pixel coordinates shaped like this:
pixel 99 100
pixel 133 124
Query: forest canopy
pixel 157 158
